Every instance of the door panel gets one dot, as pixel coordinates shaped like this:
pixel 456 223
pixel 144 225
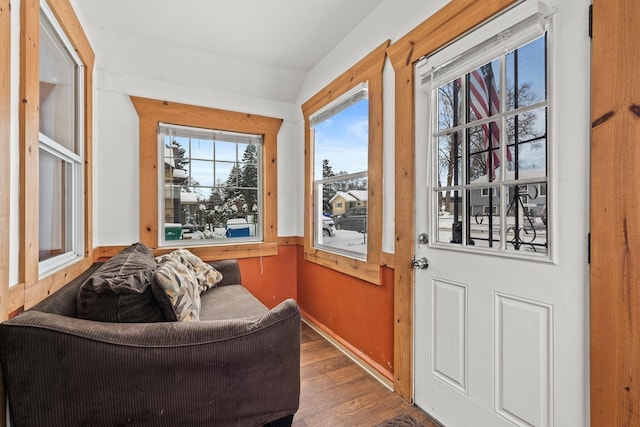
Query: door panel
pixel 500 312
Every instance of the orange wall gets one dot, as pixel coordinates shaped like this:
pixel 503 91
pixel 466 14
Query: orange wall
pixel 355 311
pixel 272 279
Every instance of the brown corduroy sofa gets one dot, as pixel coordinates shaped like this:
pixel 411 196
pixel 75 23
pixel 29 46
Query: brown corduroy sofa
pixel 238 366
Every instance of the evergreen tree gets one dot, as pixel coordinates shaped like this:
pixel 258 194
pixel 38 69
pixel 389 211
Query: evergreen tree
pixel 329 189
pixel 233 182
pixel 249 176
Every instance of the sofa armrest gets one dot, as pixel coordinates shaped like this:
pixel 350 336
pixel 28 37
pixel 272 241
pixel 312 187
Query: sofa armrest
pixel 230 271
pixel 66 371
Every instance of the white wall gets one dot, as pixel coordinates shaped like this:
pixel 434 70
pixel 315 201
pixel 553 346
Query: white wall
pixel 391 20
pixel 148 70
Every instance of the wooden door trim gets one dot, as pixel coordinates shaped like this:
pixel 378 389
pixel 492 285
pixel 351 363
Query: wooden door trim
pixel 615 218
pixel 5 151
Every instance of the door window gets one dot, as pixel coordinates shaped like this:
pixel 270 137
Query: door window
pixel 490 137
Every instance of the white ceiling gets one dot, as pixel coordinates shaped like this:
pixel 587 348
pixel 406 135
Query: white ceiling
pixel 290 34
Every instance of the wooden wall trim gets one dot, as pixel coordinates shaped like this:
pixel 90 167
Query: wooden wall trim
pixel 5 153
pixel 209 253
pixel 369 70
pixel 152 111
pixel 206 253
pixel 388 260
pixel 5 165
pixel 450 22
pixel 29 136
pixel 615 219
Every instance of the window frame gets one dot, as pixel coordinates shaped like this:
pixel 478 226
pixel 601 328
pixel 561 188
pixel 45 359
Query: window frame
pixel 33 287
pixel 228 138
pixel 440 70
pixel 74 158
pixel 368 70
pixel 153 112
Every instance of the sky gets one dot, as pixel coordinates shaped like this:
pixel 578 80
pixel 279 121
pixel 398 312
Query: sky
pixel 343 139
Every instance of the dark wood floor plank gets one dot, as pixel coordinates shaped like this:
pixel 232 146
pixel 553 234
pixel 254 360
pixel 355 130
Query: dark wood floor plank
pixel 336 392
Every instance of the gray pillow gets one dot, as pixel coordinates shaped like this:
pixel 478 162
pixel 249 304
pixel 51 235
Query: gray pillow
pixel 120 290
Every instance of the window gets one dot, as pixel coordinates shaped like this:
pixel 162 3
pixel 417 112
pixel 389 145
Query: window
pixel 215 178
pixel 341 146
pixel 210 186
pixel 56 68
pixel 343 169
pixel 61 142
pixel 490 137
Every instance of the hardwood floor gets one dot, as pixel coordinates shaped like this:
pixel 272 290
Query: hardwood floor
pixel 335 391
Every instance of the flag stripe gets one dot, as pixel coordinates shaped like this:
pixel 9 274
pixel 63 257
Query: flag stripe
pixel 485 102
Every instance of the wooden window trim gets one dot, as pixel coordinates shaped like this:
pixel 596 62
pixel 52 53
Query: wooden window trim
pixel 33 289
pixel 452 21
pixel 152 112
pixel 369 70
pixel 5 152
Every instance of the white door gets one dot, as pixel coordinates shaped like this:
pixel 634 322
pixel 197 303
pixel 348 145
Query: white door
pixel 501 184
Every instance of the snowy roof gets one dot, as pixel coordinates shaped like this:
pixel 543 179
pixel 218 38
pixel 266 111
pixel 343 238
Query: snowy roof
pixel 360 195
pixel 351 196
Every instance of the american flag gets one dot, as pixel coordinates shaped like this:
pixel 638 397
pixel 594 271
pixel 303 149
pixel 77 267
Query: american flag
pixel 485 102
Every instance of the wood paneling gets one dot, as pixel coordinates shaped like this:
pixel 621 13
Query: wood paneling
pixel 369 70
pixel 453 20
pixel 615 218
pixel 29 136
pixel 152 112
pixel 5 165
pixel 32 288
pixel 5 153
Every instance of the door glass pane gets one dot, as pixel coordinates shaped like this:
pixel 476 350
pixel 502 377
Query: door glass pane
pixel 526 138
pixel 525 75
pixel 484 152
pixel 58 89
pixel 450 159
pixel 483 217
pixel 527 218
pixel 55 225
pixel 450 106
pixel 449 225
pixel 484 91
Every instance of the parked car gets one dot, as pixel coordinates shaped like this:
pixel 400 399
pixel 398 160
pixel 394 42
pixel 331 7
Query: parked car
pixel 354 219
pixel 328 227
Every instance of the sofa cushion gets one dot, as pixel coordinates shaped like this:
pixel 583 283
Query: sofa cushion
pixel 176 288
pixel 120 290
pixel 207 276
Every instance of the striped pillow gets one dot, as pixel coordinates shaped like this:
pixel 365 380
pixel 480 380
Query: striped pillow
pixel 208 277
pixel 176 288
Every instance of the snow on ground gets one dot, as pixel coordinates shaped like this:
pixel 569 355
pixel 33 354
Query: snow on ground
pixel 347 240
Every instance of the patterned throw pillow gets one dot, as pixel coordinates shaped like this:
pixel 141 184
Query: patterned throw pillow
pixel 176 288
pixel 207 276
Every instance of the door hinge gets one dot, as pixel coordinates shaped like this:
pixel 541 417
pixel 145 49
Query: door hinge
pixel 590 21
pixel 589 248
